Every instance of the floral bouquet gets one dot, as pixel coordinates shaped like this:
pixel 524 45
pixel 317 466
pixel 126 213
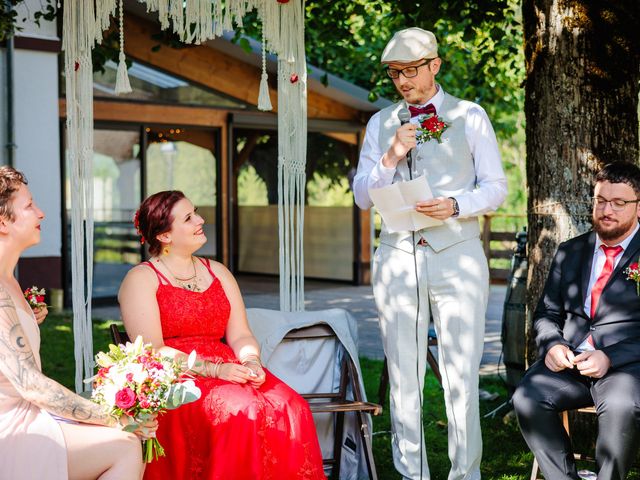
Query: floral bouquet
pixel 35 297
pixel 633 273
pixel 430 126
pixel 135 381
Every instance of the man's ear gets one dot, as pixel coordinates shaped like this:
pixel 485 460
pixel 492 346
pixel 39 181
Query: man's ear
pixel 435 65
pixel 4 226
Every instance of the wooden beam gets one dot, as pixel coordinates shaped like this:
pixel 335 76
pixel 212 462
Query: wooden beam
pixel 105 110
pixel 350 138
pixel 218 71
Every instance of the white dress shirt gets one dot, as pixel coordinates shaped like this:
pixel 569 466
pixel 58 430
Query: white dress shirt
pixel 491 183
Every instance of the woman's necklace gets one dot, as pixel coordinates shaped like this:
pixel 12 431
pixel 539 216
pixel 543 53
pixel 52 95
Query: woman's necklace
pixel 190 283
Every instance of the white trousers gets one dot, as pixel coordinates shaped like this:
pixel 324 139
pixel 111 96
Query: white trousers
pixel 454 288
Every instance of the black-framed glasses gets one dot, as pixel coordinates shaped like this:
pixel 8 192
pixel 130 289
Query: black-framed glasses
pixel 408 72
pixel 617 204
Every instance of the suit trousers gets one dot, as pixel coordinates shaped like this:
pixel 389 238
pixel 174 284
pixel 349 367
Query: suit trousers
pixel 453 286
pixel 542 394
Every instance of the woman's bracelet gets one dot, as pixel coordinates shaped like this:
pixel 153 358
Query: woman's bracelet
pixel 212 368
pixel 251 359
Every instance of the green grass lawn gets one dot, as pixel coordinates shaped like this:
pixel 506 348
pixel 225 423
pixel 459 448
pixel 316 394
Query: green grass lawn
pixel 506 456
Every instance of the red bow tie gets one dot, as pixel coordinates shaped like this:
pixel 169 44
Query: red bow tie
pixel 426 110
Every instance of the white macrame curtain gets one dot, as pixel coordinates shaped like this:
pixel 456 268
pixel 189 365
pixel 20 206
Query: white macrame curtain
pixel 194 21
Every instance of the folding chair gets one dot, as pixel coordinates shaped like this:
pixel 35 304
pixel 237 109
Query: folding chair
pixel 565 424
pixel 337 402
pixel 431 360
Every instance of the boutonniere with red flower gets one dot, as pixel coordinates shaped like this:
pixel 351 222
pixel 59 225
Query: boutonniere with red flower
pixel 431 126
pixel 633 273
pixel 35 297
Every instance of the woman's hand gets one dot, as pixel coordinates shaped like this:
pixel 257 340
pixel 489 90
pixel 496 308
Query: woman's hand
pixel 258 376
pixel 146 425
pixel 40 314
pixel 232 372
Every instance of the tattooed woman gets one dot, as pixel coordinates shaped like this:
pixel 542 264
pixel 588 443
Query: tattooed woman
pixel 46 431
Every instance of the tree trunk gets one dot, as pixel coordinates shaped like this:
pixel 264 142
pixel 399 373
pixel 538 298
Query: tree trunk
pixel 581 105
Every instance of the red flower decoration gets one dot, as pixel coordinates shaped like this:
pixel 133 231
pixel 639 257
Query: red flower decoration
pixel 431 126
pixel 125 398
pixel 633 274
pixel 76 66
pixel 294 77
pixel 283 1
pixel 136 224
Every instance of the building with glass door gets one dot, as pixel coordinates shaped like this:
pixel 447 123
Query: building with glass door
pixel 190 124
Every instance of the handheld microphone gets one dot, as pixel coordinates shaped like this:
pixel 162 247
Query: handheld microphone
pixel 405 116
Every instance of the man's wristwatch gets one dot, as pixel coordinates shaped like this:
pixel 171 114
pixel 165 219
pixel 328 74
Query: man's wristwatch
pixel 456 208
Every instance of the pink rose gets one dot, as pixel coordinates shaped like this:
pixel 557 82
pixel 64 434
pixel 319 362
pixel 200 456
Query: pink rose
pixel 125 398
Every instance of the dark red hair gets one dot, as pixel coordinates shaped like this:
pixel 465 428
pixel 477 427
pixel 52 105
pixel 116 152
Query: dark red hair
pixel 154 217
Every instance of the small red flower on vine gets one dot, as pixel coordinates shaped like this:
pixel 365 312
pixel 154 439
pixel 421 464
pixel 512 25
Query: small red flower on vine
pixel 294 78
pixel 430 126
pixel 633 273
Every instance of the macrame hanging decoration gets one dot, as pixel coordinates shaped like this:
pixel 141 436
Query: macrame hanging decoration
pixel 122 77
pixel 80 21
pixel 292 149
pixel 264 101
pixel 193 21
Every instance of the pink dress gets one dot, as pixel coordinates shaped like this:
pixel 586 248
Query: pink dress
pixel 234 432
pixel 32 446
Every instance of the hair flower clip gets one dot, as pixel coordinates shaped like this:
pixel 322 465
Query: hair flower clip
pixel 136 224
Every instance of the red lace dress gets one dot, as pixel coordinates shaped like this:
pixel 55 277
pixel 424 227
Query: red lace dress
pixel 234 432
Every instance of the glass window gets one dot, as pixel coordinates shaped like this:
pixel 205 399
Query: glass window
pixel 184 159
pixel 116 196
pixel 152 85
pixel 328 221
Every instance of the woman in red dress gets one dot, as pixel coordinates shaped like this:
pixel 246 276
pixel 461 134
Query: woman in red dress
pixel 248 425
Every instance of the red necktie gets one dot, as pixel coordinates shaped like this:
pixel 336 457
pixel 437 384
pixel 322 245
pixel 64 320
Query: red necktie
pixel 611 254
pixel 596 291
pixel 426 110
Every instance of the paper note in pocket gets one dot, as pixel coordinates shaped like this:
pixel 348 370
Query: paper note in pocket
pixel 396 204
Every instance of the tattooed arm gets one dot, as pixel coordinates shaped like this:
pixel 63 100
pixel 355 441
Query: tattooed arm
pixel 17 363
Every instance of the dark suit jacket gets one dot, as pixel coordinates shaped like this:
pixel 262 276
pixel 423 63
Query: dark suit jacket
pixel 560 317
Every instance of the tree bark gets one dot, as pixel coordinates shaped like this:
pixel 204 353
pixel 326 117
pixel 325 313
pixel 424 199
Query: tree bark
pixel 581 106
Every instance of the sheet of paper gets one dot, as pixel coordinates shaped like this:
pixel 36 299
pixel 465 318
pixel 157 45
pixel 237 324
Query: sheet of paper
pixel 396 204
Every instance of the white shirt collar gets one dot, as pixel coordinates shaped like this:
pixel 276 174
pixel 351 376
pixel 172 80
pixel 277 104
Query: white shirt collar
pixel 436 100
pixel 624 244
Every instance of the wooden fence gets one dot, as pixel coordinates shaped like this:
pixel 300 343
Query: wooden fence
pixel 499 241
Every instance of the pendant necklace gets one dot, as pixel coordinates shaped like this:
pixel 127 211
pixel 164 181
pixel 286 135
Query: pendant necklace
pixel 190 283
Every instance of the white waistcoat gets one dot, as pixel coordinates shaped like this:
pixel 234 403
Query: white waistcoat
pixel 447 166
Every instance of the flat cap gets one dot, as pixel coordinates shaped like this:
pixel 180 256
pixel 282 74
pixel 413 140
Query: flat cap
pixel 410 45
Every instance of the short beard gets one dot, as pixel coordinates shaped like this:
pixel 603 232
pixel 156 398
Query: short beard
pixel 613 233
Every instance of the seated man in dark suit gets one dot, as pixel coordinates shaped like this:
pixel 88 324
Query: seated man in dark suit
pixel 587 327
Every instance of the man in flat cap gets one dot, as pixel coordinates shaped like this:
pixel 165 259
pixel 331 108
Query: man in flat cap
pixel 440 271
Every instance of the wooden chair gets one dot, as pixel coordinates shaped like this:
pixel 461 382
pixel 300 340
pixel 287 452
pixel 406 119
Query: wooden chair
pixel 118 336
pixel 337 403
pixel 565 423
pixel 431 360
pixel 326 402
